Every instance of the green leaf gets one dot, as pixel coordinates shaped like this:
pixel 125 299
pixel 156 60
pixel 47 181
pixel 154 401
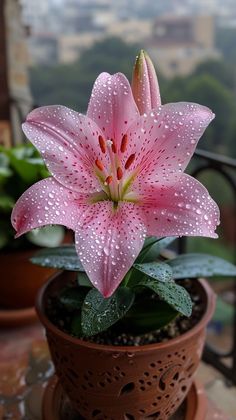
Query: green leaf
pixel 99 313
pixel 176 296
pixel 83 280
pixel 6 203
pixel 76 328
pixel 50 236
pixel 64 257
pixel 200 265
pixel 157 270
pixel 224 312
pixel 153 247
pixel 72 297
pixel 148 315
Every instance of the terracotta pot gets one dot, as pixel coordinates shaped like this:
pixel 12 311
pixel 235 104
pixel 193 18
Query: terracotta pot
pixel 111 382
pixel 17 317
pixel 20 279
pixel 56 405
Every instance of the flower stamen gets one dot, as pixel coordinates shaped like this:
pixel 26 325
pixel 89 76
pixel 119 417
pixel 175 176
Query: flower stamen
pixel 119 173
pixel 113 146
pixel 99 165
pixel 129 161
pixel 102 144
pixel 108 180
pixel 124 143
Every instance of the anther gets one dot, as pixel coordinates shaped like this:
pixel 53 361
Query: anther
pixel 113 146
pixel 119 173
pixel 99 164
pixel 124 143
pixel 102 144
pixel 129 161
pixel 108 180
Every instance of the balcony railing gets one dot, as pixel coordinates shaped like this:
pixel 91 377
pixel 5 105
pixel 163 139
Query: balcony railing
pixel 226 167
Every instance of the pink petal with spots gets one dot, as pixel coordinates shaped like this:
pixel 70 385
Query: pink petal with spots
pixel 108 241
pixel 184 208
pixel 47 202
pixel 112 105
pixel 68 143
pixel 165 139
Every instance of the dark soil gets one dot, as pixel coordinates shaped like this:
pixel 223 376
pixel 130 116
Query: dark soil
pixel 177 327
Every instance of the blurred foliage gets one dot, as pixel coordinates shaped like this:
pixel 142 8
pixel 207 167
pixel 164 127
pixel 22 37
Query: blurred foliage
pixel 20 167
pixel 71 84
pixel 205 89
pixel 211 84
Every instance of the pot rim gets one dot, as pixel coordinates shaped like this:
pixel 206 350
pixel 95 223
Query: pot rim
pixel 17 317
pixel 210 295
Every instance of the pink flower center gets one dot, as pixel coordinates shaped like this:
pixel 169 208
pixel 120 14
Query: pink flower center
pixel 115 178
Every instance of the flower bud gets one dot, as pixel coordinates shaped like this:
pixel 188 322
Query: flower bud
pixel 145 86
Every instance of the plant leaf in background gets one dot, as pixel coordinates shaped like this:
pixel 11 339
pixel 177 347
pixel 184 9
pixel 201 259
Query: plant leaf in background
pixel 99 313
pixel 170 292
pixel 63 257
pixel 6 203
pixel 28 168
pixel 146 316
pixel 83 280
pixel 152 248
pixel 50 236
pixel 200 265
pixel 157 270
pixel 73 297
pixel 5 170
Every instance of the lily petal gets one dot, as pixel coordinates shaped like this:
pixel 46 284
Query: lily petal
pixel 145 86
pixel 108 240
pixel 183 208
pixel 44 203
pixel 112 105
pixel 164 140
pixel 68 143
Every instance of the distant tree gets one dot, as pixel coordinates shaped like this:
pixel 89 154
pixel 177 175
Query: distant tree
pixel 206 90
pixel 71 84
pixel 220 69
pixel 112 55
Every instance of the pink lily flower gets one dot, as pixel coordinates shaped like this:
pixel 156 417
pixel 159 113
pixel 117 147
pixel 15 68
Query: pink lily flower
pixel 117 177
pixel 145 85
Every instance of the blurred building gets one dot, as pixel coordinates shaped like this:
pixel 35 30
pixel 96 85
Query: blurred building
pixel 179 43
pixel 35 14
pixel 15 97
pixel 131 31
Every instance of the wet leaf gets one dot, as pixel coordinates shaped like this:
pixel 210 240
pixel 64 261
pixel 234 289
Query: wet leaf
pixel 76 328
pixel 200 265
pixel 99 313
pixel 63 257
pixel 157 270
pixel 152 248
pixel 170 292
pixel 49 236
pixel 148 315
pixel 73 297
pixel 83 280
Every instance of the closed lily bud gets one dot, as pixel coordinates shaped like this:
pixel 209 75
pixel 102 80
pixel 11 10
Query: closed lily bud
pixel 145 86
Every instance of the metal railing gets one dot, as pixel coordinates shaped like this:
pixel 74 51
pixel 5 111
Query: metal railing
pixel 226 167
